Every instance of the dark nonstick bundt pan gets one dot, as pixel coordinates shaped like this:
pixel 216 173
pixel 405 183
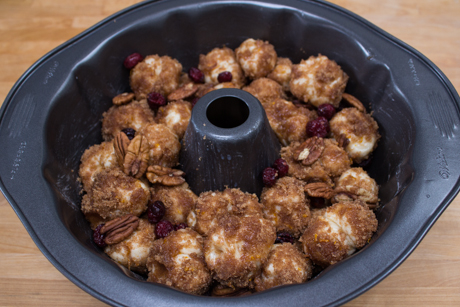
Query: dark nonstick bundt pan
pixel 53 113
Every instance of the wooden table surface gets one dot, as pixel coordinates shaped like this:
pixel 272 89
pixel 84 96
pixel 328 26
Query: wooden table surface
pixel 30 28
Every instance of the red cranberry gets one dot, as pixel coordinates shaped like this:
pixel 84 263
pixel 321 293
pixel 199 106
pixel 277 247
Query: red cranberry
pixel 283 237
pixel 365 163
pixel 180 226
pixel 130 132
pixel 326 110
pixel 269 176
pixel 132 60
pixel 317 202
pixel 156 100
pixel 282 167
pixel 224 76
pixel 163 228
pixel 155 212
pixel 318 127
pixel 194 101
pixel 196 75
pixel 98 237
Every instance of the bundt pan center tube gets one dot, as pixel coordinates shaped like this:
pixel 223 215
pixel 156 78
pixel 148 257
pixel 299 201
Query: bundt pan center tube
pixel 228 143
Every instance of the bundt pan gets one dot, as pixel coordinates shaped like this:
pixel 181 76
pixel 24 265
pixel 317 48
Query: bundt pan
pixel 53 114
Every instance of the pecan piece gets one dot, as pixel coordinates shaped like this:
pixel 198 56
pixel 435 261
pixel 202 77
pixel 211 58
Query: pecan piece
pixel 343 141
pixel 353 101
pixel 319 189
pixel 185 91
pixel 310 150
pixel 119 229
pixel 342 196
pixel 224 291
pixel 123 99
pixel 165 175
pixel 137 157
pixel 120 145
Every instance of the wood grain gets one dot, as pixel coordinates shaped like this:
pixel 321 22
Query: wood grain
pixel 30 28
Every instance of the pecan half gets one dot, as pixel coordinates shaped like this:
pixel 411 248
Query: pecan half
pixel 120 145
pixel 342 196
pixel 343 141
pixel 123 98
pixel 319 189
pixel 165 175
pixel 353 101
pixel 119 229
pixel 224 291
pixel 137 157
pixel 185 91
pixel 310 150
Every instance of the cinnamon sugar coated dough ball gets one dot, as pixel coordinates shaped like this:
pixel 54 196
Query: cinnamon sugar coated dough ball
pixel 212 205
pixel 178 200
pixel 356 181
pixel 114 194
pixel 265 90
pixel 332 162
pixel 134 250
pixel 286 206
pixel 288 121
pixel 285 265
pixel 318 80
pixel 164 145
pixel 132 115
pixel 237 247
pixel 176 116
pixel 359 128
pixel 282 73
pixel 337 231
pixel 177 261
pixel 155 74
pixel 95 159
pixel 219 60
pixel 256 57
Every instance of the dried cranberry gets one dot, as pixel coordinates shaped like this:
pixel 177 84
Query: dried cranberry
pixel 130 132
pixel 318 127
pixel 196 75
pixel 132 60
pixel 98 237
pixel 156 100
pixel 163 228
pixel 155 212
pixel 282 167
pixel 224 76
pixel 317 202
pixel 180 226
pixel 326 110
pixel 269 176
pixel 194 101
pixel 364 163
pixel 283 237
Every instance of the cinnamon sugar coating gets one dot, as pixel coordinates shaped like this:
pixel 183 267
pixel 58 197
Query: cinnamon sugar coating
pixel 332 163
pixel 134 250
pixel 265 90
pixel 282 73
pixel 213 205
pixel 359 128
pixel 178 201
pixel 337 231
pixel 219 60
pixel 256 57
pixel 286 206
pixel 176 116
pixel 285 265
pixel 236 248
pixel 164 145
pixel 155 74
pixel 132 115
pixel 97 158
pixel 357 182
pixel 177 261
pixel 318 80
pixel 288 121
pixel 114 194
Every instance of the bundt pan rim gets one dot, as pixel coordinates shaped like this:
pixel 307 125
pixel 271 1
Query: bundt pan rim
pixel 428 182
